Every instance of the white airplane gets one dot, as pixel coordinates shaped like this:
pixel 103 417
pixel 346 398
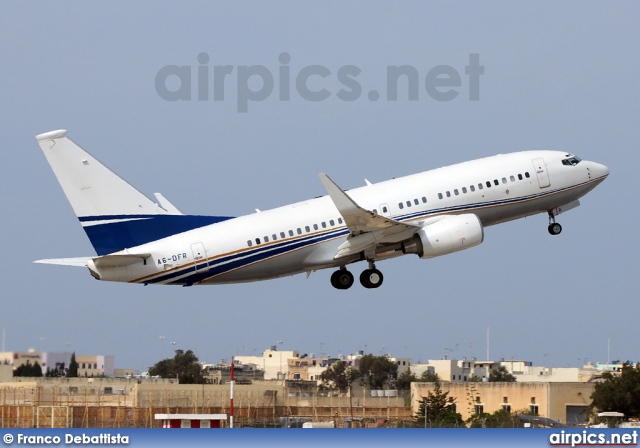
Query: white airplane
pixel 429 214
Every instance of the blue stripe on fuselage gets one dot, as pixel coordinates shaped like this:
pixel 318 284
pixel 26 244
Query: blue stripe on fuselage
pixel 134 230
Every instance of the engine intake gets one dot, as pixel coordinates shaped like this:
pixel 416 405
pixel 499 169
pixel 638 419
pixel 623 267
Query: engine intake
pixel 451 234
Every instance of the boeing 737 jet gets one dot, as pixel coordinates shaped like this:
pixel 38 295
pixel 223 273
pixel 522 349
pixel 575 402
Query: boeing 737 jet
pixel 433 213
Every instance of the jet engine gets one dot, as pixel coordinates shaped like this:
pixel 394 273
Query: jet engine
pixel 450 234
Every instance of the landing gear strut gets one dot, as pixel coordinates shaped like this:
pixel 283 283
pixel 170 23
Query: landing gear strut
pixel 371 278
pixel 342 279
pixel 554 228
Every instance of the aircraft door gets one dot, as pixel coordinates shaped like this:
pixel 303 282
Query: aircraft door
pixel 199 254
pixel 541 172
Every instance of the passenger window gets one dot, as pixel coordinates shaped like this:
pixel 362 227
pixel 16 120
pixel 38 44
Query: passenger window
pixel 282 235
pixel 504 180
pixel 266 239
pixel 456 192
pixel 384 209
pixel 332 223
pixel 274 237
pixel 249 243
pixel 488 184
pixel 448 194
pixel 299 230
pixel 375 210
pixel 472 188
pixel 400 205
pixel 439 195
pixel 527 175
pixel 424 199
pixel 324 225
pixel 480 186
pixel 415 201
pixel 520 176
pixel 340 220
pixel 513 179
pixel 307 228
pixel 495 181
pixel 290 232
pixel 315 227
pixel 257 240
pixel 464 190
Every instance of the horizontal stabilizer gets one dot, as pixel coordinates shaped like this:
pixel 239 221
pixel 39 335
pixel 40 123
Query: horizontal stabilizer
pixel 115 261
pixel 77 261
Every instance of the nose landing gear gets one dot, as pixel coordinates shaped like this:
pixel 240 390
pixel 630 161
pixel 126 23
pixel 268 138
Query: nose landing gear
pixel 554 228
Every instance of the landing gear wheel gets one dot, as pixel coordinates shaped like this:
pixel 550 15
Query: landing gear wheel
pixel 555 228
pixel 371 278
pixel 342 279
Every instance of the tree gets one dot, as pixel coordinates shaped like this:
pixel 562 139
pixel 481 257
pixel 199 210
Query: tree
pixel 438 409
pixel 405 379
pixel 183 366
pixel 499 419
pixel 339 376
pixel 73 367
pixel 28 370
pixel 428 377
pixel 618 393
pixel 501 375
pixel 377 371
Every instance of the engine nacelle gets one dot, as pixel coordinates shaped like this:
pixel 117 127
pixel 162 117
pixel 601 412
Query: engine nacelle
pixel 451 234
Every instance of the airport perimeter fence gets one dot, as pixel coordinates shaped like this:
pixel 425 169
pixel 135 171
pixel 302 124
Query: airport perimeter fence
pixel 89 407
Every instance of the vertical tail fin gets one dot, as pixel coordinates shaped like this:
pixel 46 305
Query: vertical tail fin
pixel 113 213
pixel 92 189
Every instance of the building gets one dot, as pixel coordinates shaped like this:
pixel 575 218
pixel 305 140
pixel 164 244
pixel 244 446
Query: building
pixel 273 362
pixel 566 403
pixel 88 365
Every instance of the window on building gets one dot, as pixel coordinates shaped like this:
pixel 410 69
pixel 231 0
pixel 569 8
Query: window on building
pixel 479 409
pixel 533 409
pixel 506 407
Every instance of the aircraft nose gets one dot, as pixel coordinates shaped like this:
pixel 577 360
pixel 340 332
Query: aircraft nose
pixel 599 170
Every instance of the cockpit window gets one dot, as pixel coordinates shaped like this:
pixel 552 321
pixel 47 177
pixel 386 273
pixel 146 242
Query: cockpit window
pixel 571 161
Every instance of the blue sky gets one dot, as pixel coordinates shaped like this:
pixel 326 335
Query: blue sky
pixel 556 76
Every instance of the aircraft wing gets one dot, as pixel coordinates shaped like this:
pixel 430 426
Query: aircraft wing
pixel 368 229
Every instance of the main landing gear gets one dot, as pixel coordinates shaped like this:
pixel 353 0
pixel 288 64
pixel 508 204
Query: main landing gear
pixel 554 228
pixel 370 278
